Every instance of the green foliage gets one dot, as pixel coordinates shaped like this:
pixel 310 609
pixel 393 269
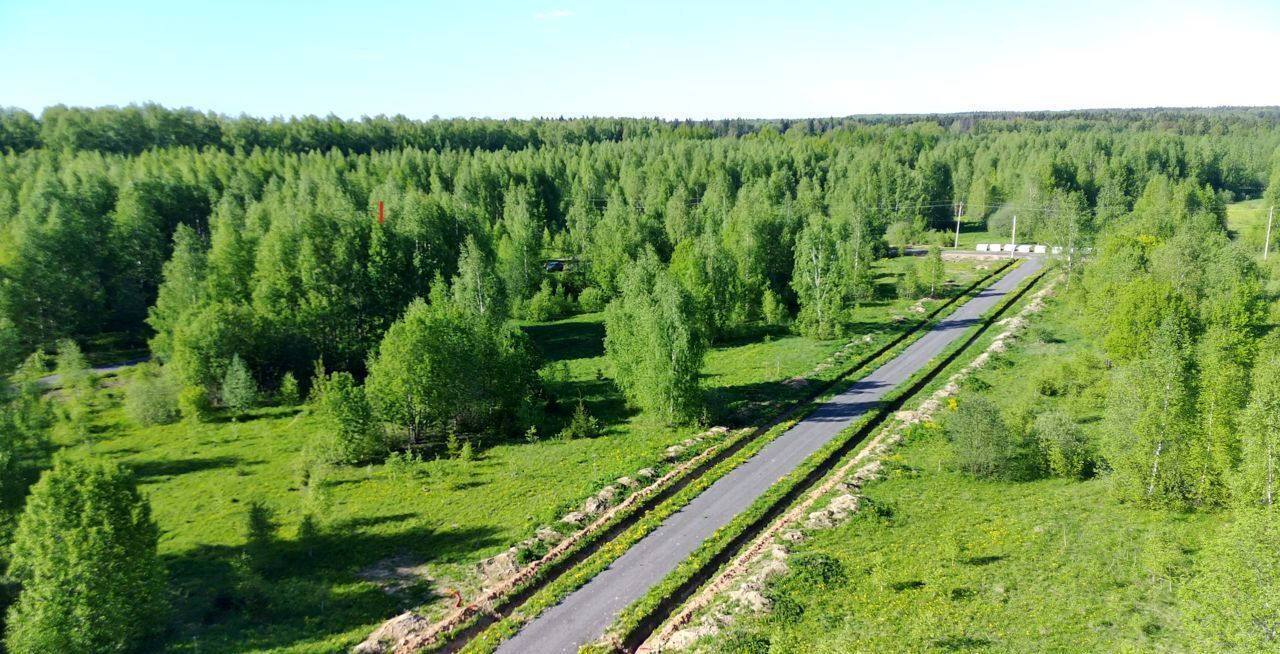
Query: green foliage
pixel 817 570
pixel 1149 421
pixel 653 339
pixel 548 304
pixel 477 289
pixel 909 286
pixel 933 274
pixel 1065 449
pixel 982 444
pixel 78 386
pixel 354 436
pixel 288 394
pixel 1231 603
pixel 592 299
pixel 87 527
pixel 194 404
pixel 438 369
pixel 773 309
pixel 207 340
pixel 820 282
pixel 239 390
pixel 1256 483
pixel 581 425
pixel 152 397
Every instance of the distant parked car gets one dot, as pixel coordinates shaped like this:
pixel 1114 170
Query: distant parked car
pixel 554 266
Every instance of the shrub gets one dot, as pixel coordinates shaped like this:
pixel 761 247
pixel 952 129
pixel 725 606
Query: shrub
pixel 744 642
pixel 909 287
pixel 982 444
pixel 582 425
pixel 288 393
pixel 152 397
pixel 592 299
pixel 239 390
pixel 439 368
pixel 1063 446
pixel 193 403
pixel 355 436
pixel 548 304
pixel 774 309
pixel 817 569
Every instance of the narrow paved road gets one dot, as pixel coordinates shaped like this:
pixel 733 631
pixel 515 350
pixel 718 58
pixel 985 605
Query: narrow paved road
pixel 584 615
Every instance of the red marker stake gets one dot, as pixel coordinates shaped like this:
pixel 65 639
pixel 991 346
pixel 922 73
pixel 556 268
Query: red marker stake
pixel 379 212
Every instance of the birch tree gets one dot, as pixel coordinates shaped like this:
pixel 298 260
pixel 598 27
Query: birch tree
pixel 1149 417
pixel 1256 482
pixel 819 280
pixel 1222 389
pixel 653 340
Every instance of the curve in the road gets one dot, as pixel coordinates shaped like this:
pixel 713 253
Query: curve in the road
pixel 584 615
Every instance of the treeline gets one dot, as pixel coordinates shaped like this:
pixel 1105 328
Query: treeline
pixel 276 258
pixel 136 128
pixel 735 206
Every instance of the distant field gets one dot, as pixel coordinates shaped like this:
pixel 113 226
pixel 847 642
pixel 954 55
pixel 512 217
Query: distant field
pixel 963 564
pixel 450 514
pixel 1247 222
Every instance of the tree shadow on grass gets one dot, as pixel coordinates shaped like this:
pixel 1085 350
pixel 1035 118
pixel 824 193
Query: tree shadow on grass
pixel 291 590
pixel 600 397
pixel 158 469
pixel 568 340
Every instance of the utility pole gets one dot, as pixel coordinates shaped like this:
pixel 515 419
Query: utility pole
pixel 1014 237
pixel 959 210
pixel 1267 246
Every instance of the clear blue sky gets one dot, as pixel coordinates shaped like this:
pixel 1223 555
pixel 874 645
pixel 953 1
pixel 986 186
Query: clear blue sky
pixel 752 58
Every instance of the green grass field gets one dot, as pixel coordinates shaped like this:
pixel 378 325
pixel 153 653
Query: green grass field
pixel 959 564
pixel 445 514
pixel 1247 223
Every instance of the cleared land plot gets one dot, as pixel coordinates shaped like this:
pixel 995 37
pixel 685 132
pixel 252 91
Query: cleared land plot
pixel 958 564
pixel 444 514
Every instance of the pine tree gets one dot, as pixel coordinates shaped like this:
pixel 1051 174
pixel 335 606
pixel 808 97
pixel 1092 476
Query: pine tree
pixel 85 554
pixel 239 390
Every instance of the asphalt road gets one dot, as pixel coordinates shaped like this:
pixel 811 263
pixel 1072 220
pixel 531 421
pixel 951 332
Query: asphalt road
pixel 584 615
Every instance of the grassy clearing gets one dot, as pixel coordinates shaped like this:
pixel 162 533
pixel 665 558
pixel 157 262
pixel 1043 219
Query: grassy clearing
pixel 443 514
pixel 954 563
pixel 1247 221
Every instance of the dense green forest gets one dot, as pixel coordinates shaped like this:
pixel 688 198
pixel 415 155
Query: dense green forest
pixel 247 255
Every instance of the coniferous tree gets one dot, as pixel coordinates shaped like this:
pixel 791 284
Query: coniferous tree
pixel 239 390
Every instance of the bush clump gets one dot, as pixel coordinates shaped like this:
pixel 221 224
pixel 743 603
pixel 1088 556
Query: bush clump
pixel 548 304
pixel 582 425
pixel 1064 449
pixel 288 394
pixel 152 397
pixel 982 444
pixel 592 299
pixel 355 436
pixel 194 404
